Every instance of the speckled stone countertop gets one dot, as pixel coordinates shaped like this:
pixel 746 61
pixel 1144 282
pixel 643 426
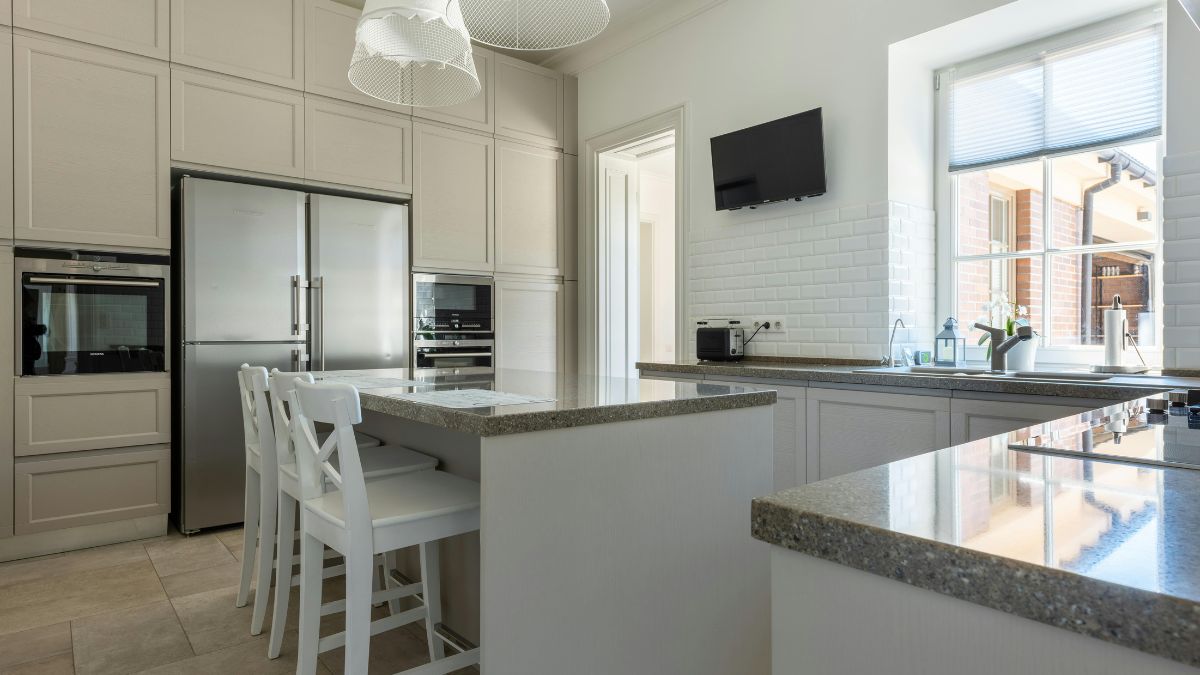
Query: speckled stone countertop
pixel 577 401
pixel 1117 388
pixel 1105 547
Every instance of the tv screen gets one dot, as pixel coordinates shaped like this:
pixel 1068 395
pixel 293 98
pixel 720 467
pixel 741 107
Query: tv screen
pixel 784 159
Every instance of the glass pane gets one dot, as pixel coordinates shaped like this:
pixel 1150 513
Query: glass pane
pixel 1000 209
pixel 1106 196
pixel 995 291
pixel 1079 302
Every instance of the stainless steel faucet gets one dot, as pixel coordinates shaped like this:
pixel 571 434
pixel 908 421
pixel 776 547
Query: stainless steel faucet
pixel 1000 348
pixel 889 360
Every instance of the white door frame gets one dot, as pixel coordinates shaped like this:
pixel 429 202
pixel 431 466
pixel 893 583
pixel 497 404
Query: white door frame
pixel 590 251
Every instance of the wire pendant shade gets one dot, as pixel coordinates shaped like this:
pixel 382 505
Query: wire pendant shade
pixel 414 52
pixel 535 24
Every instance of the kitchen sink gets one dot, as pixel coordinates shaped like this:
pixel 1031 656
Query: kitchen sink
pixel 947 371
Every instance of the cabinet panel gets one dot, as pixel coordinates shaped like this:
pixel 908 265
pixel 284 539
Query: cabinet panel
pixel 6 139
pixel 851 430
pixel 8 359
pixel 261 40
pixel 570 115
pixel 453 201
pixel 571 327
pixel 529 102
pixel 791 441
pixel 478 113
pixel 80 114
pixel 529 209
pixel 6 11
pixel 570 240
pixel 529 325
pixel 350 144
pixel 71 491
pixel 137 26
pixel 88 412
pixel 971 419
pixel 222 121
pixel 328 45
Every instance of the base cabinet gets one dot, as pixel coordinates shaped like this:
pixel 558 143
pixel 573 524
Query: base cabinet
pixel 529 325
pixel 850 430
pixel 791 440
pixel 971 419
pixel 90 412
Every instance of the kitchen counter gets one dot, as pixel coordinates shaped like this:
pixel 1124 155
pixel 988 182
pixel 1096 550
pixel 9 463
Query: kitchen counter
pixel 1116 388
pixel 575 400
pixel 1098 540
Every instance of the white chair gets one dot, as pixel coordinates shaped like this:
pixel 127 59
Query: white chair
pixel 360 519
pixel 377 462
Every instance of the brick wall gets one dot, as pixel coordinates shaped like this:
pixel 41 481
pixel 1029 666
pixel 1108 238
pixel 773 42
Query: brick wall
pixel 1181 262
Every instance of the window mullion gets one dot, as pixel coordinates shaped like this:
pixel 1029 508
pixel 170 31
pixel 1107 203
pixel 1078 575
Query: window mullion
pixel 1047 238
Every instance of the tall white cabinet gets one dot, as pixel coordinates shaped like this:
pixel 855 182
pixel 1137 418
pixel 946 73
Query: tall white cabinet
pixel 529 209
pixel 529 325
pixel 7 360
pixel 453 199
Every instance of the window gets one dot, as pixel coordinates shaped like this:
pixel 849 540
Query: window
pixel 1050 157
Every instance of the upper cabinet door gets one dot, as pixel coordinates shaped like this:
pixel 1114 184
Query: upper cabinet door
pixel 453 205
pixel 529 209
pixel 478 113
pixel 224 121
pixel 6 12
pixel 529 326
pixel 261 40
pixel 90 145
pixel 529 102
pixel 329 43
pixel 354 145
pixel 137 26
pixel 6 143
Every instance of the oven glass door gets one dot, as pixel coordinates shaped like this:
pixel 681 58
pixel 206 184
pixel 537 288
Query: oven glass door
pixel 453 357
pixel 77 324
pixel 449 300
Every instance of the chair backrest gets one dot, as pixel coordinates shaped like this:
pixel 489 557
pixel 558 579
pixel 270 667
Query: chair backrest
pixel 282 385
pixel 336 404
pixel 256 420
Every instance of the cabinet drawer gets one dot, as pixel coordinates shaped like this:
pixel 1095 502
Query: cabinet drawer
pixel 89 412
pixel 106 486
pixel 354 145
pixel 223 121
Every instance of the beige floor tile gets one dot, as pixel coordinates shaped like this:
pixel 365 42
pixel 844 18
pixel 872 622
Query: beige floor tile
pixel 391 652
pixel 175 556
pixel 225 575
pixel 212 622
pixel 63 598
pixel 129 640
pixel 31 569
pixel 59 664
pixel 247 657
pixel 34 644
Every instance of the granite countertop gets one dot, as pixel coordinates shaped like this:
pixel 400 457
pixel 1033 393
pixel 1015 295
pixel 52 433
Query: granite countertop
pixel 1100 542
pixel 1116 388
pixel 575 400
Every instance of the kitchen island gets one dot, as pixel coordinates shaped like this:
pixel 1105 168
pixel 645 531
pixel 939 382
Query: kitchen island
pixel 613 531
pixel 1068 547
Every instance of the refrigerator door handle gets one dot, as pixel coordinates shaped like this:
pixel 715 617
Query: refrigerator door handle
pixel 299 328
pixel 319 284
pixel 299 359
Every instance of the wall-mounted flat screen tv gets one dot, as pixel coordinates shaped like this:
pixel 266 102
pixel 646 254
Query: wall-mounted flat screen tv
pixel 771 162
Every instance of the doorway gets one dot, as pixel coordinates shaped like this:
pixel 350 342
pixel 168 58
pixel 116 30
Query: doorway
pixel 636 251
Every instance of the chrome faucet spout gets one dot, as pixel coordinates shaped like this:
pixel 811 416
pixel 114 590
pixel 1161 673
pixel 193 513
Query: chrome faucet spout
pixel 889 359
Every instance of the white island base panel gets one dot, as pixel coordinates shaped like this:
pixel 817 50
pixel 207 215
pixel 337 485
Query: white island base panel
pixel 611 548
pixel 835 620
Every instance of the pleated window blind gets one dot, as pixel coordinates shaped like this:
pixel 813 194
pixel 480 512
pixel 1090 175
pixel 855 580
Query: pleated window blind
pixel 1101 94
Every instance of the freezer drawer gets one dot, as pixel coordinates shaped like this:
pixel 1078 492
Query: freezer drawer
pixel 212 448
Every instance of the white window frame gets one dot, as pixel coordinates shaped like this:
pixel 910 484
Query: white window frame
pixel 946 199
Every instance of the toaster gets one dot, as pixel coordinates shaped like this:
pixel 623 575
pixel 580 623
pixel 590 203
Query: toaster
pixel 720 344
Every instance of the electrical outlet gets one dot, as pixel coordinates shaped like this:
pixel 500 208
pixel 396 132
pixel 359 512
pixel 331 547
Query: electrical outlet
pixel 774 324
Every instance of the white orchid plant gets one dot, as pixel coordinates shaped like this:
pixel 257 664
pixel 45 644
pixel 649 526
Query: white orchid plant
pixel 1002 311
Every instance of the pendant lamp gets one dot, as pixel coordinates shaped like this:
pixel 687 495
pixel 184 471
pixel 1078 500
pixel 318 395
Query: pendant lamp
pixel 534 24
pixel 414 52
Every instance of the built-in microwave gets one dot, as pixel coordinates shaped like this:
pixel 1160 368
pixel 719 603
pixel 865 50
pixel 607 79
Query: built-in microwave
pixel 82 312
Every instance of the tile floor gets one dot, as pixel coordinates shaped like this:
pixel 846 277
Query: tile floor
pixel 161 606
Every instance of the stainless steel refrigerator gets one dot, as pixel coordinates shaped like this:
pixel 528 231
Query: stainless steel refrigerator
pixel 282 279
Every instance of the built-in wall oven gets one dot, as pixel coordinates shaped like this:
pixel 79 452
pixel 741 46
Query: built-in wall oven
pixel 84 312
pixel 452 322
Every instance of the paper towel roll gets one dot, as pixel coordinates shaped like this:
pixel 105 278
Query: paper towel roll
pixel 1115 327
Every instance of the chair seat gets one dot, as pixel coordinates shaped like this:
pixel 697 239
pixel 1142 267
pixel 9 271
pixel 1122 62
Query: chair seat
pixel 405 498
pixel 381 460
pixel 362 440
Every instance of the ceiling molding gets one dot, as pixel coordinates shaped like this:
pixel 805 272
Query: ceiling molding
pixel 637 28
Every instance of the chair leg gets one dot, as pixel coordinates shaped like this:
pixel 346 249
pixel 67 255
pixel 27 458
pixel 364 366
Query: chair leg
pixel 360 571
pixel 311 561
pixel 283 572
pixel 389 564
pixel 431 578
pixel 249 534
pixel 266 553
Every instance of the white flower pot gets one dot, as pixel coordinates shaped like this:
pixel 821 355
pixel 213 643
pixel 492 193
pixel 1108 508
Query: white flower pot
pixel 1023 355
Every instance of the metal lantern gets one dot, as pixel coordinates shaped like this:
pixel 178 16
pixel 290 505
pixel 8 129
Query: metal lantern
pixel 950 346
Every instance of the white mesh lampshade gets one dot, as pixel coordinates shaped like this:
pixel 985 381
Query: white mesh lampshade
pixel 414 52
pixel 535 24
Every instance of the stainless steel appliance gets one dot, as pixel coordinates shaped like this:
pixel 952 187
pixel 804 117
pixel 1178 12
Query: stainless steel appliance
pixel 270 276
pixel 452 322
pixel 91 311
pixel 720 344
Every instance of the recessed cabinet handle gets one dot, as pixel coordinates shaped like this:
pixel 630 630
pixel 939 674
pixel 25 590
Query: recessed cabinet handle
pixel 93 282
